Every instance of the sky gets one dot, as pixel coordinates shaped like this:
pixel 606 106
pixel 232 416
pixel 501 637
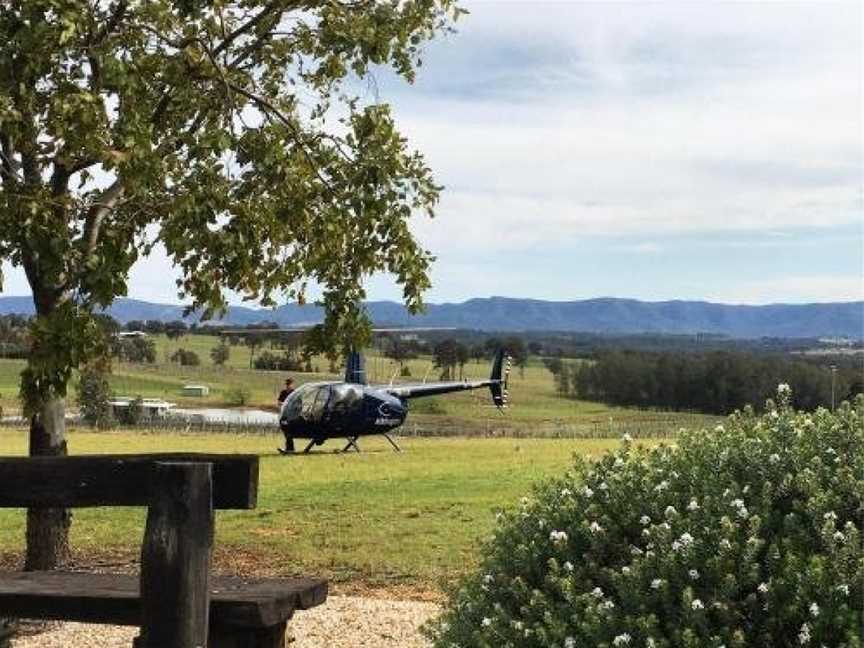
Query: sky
pixel 651 150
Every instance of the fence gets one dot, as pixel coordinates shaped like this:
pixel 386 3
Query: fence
pixel 429 426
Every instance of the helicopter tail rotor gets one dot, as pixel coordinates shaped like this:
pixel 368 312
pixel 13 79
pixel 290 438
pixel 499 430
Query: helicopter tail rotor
pixel 498 379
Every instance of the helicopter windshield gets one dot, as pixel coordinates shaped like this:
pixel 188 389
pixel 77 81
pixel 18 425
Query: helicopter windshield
pixel 299 401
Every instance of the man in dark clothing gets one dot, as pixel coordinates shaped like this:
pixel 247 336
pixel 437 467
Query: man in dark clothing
pixel 289 387
pixel 285 393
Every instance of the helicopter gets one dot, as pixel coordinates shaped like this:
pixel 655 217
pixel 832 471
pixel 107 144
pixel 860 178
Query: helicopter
pixel 352 408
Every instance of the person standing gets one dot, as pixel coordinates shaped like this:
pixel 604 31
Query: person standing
pixel 285 393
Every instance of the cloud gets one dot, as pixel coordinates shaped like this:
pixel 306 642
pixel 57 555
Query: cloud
pixel 805 288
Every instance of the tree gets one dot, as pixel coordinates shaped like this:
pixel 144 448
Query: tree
pixel 185 358
pixel 94 394
pixel 447 354
pixel 220 353
pixel 226 132
pixel 176 329
pixel 516 349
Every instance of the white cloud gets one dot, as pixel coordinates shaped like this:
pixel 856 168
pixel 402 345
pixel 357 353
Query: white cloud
pixel 806 288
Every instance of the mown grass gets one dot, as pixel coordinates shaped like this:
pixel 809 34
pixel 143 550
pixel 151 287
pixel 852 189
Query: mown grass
pixel 378 517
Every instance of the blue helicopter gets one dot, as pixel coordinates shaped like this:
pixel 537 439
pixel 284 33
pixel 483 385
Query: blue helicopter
pixel 352 408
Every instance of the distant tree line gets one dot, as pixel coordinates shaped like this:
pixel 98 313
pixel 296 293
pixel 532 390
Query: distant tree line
pixel 714 383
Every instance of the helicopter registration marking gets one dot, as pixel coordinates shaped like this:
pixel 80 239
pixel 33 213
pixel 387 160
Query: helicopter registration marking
pixel 387 421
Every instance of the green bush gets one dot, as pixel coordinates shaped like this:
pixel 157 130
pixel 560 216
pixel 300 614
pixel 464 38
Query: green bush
pixel 94 394
pixel 133 414
pixel 746 535
pixel 186 358
pixel 238 396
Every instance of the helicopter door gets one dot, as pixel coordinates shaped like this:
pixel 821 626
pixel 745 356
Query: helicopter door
pixel 315 405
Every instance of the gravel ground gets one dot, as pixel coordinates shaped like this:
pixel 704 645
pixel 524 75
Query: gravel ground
pixel 342 622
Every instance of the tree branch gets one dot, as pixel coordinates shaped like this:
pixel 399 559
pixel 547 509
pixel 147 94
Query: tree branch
pixel 97 213
pixel 270 109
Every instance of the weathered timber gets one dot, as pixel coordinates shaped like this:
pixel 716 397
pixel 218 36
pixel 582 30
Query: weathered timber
pixel 235 602
pixel 117 480
pixel 175 557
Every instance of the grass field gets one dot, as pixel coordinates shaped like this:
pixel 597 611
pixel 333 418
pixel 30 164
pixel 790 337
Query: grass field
pixel 535 406
pixel 379 517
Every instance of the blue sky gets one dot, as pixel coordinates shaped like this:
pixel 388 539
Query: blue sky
pixel 662 150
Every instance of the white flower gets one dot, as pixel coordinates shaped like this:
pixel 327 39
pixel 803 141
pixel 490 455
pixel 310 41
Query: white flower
pixel 676 545
pixel 569 642
pixel 774 414
pixel 804 634
pixel 650 643
pixel 665 526
pixel 568 566
pixel 725 544
pixel 697 605
pixel 595 528
pixel 783 389
pixel 693 574
pixel 838 536
pixel 527 632
pixel 597 592
pixel 644 520
pixel 763 587
pixel 656 583
pixel 693 505
pixel 663 485
pixel 625 570
pixel 670 511
pixel 541 523
pixel 719 428
pixel 558 537
pixel 626 438
pixel 606 605
pixel 603 486
pixel 587 492
pixel 619 462
pixel 686 539
pixel 518 625
pixel 843 589
pixel 774 458
pixel 830 516
pixel 814 610
pixel 488 578
pixel 621 640
pixel 486 622
pixel 565 492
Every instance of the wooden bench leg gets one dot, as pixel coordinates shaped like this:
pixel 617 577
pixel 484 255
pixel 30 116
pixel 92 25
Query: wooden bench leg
pixel 272 637
pixel 7 632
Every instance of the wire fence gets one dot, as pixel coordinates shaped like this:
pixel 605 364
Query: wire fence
pixel 432 426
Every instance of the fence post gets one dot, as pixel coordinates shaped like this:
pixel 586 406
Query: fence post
pixel 175 557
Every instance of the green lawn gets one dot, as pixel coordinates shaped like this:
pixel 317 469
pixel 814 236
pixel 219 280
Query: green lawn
pixel 535 406
pixel 378 517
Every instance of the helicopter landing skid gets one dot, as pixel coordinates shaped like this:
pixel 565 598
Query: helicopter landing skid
pixel 352 443
pixel 392 442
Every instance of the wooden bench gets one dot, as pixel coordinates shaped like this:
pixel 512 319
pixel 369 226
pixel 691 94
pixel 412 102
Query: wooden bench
pixel 176 602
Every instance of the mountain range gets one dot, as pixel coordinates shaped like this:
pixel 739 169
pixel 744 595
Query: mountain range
pixel 604 315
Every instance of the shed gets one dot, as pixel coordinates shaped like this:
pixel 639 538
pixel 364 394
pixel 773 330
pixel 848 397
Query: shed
pixel 196 390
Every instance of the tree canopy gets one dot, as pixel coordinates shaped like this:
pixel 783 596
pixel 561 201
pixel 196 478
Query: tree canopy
pixel 227 132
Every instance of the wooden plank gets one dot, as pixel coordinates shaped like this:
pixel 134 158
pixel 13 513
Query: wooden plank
pixel 117 480
pixel 114 598
pixel 175 558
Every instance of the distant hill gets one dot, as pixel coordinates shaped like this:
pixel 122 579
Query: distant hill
pixel 605 315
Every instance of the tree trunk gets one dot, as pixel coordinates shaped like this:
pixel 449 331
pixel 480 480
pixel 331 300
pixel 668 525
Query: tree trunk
pixel 48 529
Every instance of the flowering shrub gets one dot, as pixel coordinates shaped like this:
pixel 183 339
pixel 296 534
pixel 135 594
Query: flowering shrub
pixel 746 535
